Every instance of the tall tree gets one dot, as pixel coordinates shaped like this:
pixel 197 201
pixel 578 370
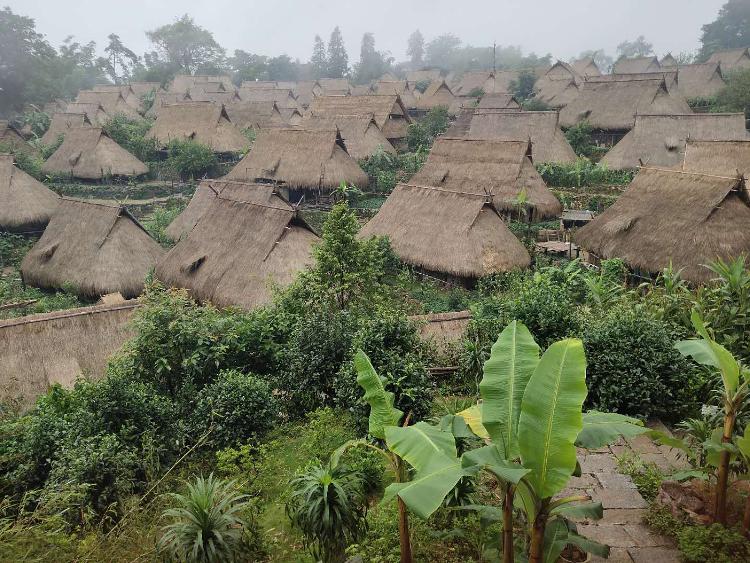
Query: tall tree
pixel 730 30
pixel 415 49
pixel 319 59
pixel 372 63
pixel 247 66
pixel 187 46
pixel 441 51
pixel 338 60
pixel 637 48
pixel 282 68
pixel 119 57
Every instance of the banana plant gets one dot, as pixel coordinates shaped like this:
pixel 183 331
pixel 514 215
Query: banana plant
pixel 743 446
pixel 735 379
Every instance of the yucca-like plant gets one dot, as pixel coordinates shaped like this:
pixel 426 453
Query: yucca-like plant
pixel 328 507
pixel 207 524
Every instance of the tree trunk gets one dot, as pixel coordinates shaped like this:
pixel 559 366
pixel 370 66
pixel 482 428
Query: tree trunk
pixel 508 551
pixel 746 517
pixel 720 502
pixel 403 517
pixel 536 551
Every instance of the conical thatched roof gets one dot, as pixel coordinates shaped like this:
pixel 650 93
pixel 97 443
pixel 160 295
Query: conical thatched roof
pixel 162 99
pixel 700 80
pixel 284 98
pixel 98 249
pixel 247 240
pixel 636 65
pixel 387 109
pixel 183 82
pixel 59 348
pixel 361 134
pixel 548 143
pixel 112 102
pixel 94 112
pixel 300 159
pixel 668 216
pixel 455 233
pixel 480 166
pixel 306 90
pixel 659 140
pixel 613 105
pixel 438 93
pixel 498 100
pixel 668 61
pixel 204 122
pixel 723 158
pixel 26 205
pixel 205 193
pixel 12 141
pixel 586 67
pixel 90 154
pixel 731 59
pixel 256 115
pixel 61 123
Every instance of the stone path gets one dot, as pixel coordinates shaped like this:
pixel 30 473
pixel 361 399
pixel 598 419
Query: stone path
pixel 622 527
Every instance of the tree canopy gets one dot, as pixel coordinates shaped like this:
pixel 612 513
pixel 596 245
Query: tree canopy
pixel 639 47
pixel 415 48
pixel 186 46
pixel 338 60
pixel 730 30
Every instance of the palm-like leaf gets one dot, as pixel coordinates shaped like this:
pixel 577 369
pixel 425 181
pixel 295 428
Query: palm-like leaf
pixel 382 411
pixel 602 428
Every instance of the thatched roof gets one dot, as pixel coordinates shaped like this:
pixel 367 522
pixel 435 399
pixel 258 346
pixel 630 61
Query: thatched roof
pixel 56 105
pixel 61 123
pixel 59 347
pixel 635 65
pixel 125 90
pixel 112 102
pixel 247 240
pixel 669 75
pixel 205 193
pixel 475 80
pixel 731 59
pixel 94 112
pixel 455 233
pixel 162 99
pixel 292 116
pixel 183 82
pixel 90 154
pixel 613 105
pixel 96 248
pixel 659 140
pixel 306 90
pixel 387 109
pixel 586 67
pixel 498 100
pixel 700 80
pixel 556 93
pixel 724 158
pixel 215 96
pixel 442 329
pixel 140 89
pixel 548 143
pixel 26 205
pixel 438 93
pixel 361 134
pixel 414 76
pixel 301 159
pixel 488 166
pixel 257 115
pixel 284 98
pixel 669 216
pixel 399 87
pixel 668 61
pixel 11 139
pixel 562 71
pixel 260 84
pixel 204 122
pixel 334 86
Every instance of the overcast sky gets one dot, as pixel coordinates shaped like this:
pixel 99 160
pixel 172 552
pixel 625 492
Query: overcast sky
pixel 271 27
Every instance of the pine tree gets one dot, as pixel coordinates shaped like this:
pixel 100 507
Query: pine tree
pixel 338 60
pixel 415 48
pixel 372 63
pixel 319 60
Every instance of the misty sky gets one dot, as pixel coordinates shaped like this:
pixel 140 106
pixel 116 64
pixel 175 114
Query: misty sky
pixel 271 27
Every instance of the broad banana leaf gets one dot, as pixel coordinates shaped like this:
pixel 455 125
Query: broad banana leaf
pixel 710 353
pixel 491 458
pixel 555 539
pixel 589 510
pixel 602 428
pixel 512 360
pixel 743 443
pixel 473 418
pixel 551 417
pixel 671 441
pixel 587 545
pixel 714 446
pixel 456 425
pixel 382 411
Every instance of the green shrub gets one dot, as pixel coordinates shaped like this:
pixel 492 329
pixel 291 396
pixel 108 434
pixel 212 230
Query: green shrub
pixel 523 86
pixel 712 544
pixel 583 173
pixel 422 85
pixel 735 96
pixel 38 121
pixel 385 170
pixel 130 134
pixel 156 224
pixel 422 134
pixel 580 139
pixel 190 159
pixel 535 104
pixel 646 476
pixel 240 408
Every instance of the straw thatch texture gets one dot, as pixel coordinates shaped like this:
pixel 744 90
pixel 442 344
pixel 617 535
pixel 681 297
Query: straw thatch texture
pixel 586 67
pixel 11 139
pixel 700 80
pixel 387 109
pixel 659 140
pixel 459 127
pixel 61 123
pixel 443 231
pixel 140 89
pixel 256 115
pixel 438 93
pixel 442 329
pixel 556 93
pixel 398 87
pixel 90 154
pixel 94 112
pixel 26 205
pixel 284 98
pixel 306 90
pixel 475 80
pixel 261 84
pixel 125 90
pixel 162 99
pixel 360 134
pixel 548 143
pixel 670 77
pixel 636 65
pixel 112 102
pixel 292 117
pixel 334 86
pixel 300 159
pixel 613 105
pixel 203 122
pixel 498 100
pixel 724 158
pixel 668 61
pixel 60 347
pixel 731 59
pixel 183 82
pixel 668 216
pixel 414 76
pixel 247 240
pixel 483 166
pixel 215 96
pixel 201 200
pixel 56 105
pixel 96 248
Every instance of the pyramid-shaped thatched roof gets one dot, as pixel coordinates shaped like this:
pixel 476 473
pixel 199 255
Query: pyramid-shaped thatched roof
pixel 256 115
pixel 498 100
pixel 204 122
pixel 731 59
pixel 162 99
pixel 700 80
pixel 96 249
pixel 283 97
pixel 668 61
pixel 455 233
pixel 26 205
pixel 247 240
pixel 184 82
pixel 12 140
pixel 673 217
pixel 112 101
pixel 387 109
pixel 94 112
pixel 438 93
pixel 398 87
pixel 723 158
pixel 636 65
pixel 586 67
pixel 61 123
pixel 360 134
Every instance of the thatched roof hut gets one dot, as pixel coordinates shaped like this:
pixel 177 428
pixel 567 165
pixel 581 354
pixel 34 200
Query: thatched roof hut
pixel 502 169
pixel 562 71
pixel 428 75
pixel 140 89
pixel 162 99
pixel 673 217
pixel 670 77
pixel 247 240
pixel 612 105
pixel 474 80
pixel 125 90
pixel 723 158
pixel 112 102
pixel 498 100
pixel 216 96
pixel 94 112
pixel 449 232
pixel 256 115
pixel 204 122
pixel 61 123
pixel 56 105
pixel 334 86
pixel 668 61
pixel 548 143
pixel 387 109
pixel 89 153
pixel 184 82
pixel 60 347
pixel 442 330
pixel 731 59
pixel 398 87
pixel 26 205
pixel 659 140
pixel 261 84
pixel 12 140
pixel 636 65
pixel 700 80
pixel 299 159
pixel 586 67
pixel 360 133
pixel 96 248
pixel 205 193
pixel 306 90
pixel 559 85
pixel 284 98
pixel 438 93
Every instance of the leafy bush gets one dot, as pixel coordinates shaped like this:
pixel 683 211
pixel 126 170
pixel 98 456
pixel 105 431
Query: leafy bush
pixel 523 86
pixel 38 121
pixel 385 170
pixel 130 134
pixel 157 223
pixel 580 139
pixel 712 544
pixel 735 96
pixel 240 407
pixel 583 173
pixel 190 158
pixel 422 134
pixel 422 85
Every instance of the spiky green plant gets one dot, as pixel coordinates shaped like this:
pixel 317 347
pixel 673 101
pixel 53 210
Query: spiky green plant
pixel 207 523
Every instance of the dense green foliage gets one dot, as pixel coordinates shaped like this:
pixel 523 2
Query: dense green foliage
pixel 729 30
pixel 130 135
pixel 579 137
pixel 190 158
pixel 583 173
pixel 423 133
pixel 523 86
pixel 385 170
pixel 735 96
